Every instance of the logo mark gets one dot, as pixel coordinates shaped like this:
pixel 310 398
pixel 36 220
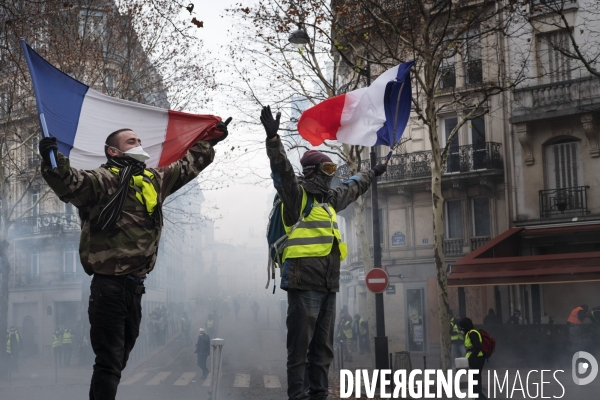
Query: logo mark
pixel 582 367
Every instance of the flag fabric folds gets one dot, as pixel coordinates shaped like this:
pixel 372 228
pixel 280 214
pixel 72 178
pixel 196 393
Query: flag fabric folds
pixel 365 116
pixel 81 118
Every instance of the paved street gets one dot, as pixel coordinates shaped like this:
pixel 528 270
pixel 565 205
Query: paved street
pixel 253 368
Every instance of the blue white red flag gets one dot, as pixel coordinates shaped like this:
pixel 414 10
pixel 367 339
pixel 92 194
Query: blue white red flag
pixel 374 115
pixel 81 118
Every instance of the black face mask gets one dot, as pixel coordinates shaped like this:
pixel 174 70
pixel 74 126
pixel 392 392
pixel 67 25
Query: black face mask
pixel 318 183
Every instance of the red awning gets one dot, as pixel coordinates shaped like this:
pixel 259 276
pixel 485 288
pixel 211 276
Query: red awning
pixel 498 261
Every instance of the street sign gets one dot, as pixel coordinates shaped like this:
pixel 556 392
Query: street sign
pixel 391 289
pixel 377 280
pixel 345 276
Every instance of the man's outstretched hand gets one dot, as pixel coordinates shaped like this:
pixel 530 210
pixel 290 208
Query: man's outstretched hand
pixel 271 124
pixel 380 169
pixel 222 126
pixel 47 145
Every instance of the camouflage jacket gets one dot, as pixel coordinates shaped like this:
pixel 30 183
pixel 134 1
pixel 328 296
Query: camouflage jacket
pixel 131 245
pixel 311 273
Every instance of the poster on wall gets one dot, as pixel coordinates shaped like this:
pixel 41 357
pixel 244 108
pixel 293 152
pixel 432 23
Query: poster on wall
pixel 418 333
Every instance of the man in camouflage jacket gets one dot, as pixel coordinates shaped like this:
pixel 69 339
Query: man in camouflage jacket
pixel 120 232
pixel 311 282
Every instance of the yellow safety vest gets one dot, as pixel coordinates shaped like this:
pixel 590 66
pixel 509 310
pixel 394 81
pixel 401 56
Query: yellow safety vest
pixel 314 235
pixel 363 330
pixel 209 323
pixel 18 340
pixel 145 191
pixel 348 330
pixel 67 338
pixel 469 345
pixel 56 341
pixel 456 334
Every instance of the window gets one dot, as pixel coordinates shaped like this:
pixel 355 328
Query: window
pixel 3 102
pixel 35 265
pixel 477 139
pixel 453 161
pixel 109 82
pixel 35 203
pixel 563 169
pixel 481 216
pixel 454 222
pixel 447 73
pixel 70 259
pixel 472 57
pixel 92 23
pixel 553 64
pixel 69 209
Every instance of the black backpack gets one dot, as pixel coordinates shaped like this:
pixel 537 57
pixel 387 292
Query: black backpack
pixel 276 236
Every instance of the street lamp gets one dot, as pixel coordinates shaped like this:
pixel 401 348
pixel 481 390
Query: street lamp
pixel 299 37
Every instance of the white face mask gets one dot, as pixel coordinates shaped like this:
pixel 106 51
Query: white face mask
pixel 137 153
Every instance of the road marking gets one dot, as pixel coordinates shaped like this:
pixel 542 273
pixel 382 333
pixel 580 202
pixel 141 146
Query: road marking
pixel 377 280
pixel 241 380
pixel 207 380
pixel 271 381
pixel 185 379
pixel 158 378
pixel 134 378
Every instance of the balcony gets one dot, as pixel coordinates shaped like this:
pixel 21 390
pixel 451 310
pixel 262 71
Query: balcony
pixel 447 77
pixel 557 99
pixel 478 241
pixel 416 165
pixel 453 247
pixel 556 203
pixel 47 224
pixel 473 72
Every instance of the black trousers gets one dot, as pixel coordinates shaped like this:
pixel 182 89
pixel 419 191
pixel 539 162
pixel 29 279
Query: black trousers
pixel 477 363
pixel 115 312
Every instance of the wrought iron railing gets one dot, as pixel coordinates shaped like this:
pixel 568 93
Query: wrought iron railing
pixel 473 72
pixel 478 241
pixel 418 164
pixel 564 201
pixel 447 77
pixel 47 224
pixel 453 247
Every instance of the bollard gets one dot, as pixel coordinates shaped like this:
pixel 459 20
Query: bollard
pixel 217 361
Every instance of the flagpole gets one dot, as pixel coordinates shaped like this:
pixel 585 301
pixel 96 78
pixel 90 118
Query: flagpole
pixel 381 341
pixel 40 109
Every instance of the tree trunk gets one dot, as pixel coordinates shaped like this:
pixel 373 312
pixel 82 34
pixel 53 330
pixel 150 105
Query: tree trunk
pixel 5 275
pixel 438 251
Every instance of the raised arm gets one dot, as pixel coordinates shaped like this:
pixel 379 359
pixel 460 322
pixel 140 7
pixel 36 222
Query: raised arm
pixel 282 172
pixel 354 187
pixel 70 185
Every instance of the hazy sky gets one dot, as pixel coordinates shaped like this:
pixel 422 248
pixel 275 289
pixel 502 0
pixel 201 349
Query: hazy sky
pixel 244 208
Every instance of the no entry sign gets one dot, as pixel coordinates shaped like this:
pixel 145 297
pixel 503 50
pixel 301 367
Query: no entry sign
pixel 377 280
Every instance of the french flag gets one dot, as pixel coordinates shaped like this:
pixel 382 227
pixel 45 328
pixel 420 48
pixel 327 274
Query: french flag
pixel 375 115
pixel 81 118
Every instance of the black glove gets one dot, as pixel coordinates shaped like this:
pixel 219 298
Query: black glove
pixel 222 126
pixel 380 169
pixel 47 145
pixel 271 125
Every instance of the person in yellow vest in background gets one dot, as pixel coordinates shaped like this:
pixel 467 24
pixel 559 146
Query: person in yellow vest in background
pixel 311 257
pixel 574 322
pixel 473 345
pixel 13 347
pixel 457 340
pixel 345 337
pixel 67 346
pixel 57 339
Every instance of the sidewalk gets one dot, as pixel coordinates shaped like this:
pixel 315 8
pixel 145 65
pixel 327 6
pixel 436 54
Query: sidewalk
pixel 35 372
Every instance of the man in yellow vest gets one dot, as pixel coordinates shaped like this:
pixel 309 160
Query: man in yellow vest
pixel 457 340
pixel 13 347
pixel 473 345
pixel 57 339
pixel 120 206
pixel 67 346
pixel 311 258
